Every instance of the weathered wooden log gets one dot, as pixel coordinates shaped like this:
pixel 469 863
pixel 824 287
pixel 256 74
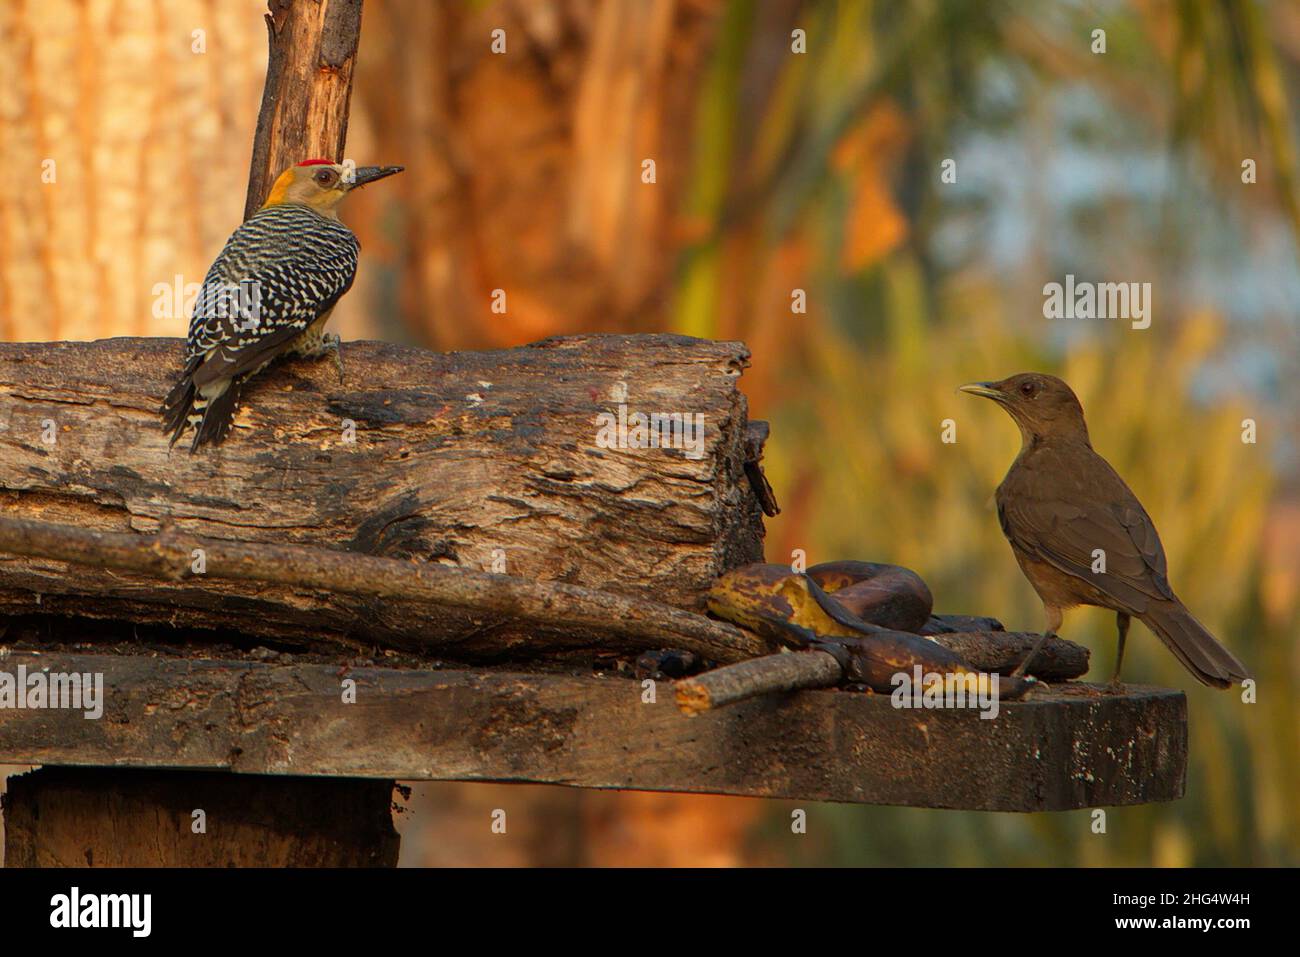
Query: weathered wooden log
pixel 1002 651
pixel 561 616
pixel 509 461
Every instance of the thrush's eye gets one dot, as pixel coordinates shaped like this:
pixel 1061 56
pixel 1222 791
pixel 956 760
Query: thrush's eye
pixel 1027 389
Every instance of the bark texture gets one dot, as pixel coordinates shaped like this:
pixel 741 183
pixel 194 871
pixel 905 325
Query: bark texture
pixel 1072 746
pixel 488 461
pixel 125 127
pixel 531 161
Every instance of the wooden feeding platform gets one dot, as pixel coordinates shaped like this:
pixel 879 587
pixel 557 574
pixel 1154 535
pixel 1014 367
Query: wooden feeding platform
pixel 440 569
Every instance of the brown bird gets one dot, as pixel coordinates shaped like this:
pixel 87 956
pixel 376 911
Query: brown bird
pixel 1082 537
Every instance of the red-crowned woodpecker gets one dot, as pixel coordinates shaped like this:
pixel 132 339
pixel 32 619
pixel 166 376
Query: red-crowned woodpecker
pixel 269 293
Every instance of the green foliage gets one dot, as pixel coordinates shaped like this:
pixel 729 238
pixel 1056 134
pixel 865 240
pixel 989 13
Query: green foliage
pixel 862 384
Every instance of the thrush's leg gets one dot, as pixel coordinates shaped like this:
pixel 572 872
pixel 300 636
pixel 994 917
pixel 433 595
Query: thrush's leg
pixel 1053 614
pixel 1122 621
pixel 1033 653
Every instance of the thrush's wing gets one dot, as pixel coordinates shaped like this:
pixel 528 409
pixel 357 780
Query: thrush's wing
pixel 278 273
pixel 1062 508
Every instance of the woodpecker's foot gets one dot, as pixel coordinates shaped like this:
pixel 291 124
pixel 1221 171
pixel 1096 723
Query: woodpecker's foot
pixel 328 346
pixel 332 345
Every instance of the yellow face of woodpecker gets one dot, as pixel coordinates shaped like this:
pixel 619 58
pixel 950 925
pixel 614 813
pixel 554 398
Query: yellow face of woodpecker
pixel 322 185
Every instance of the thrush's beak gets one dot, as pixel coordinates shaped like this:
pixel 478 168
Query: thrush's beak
pixel 368 174
pixel 988 390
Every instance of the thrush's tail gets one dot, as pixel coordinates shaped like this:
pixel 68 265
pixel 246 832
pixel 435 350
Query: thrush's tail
pixel 1193 645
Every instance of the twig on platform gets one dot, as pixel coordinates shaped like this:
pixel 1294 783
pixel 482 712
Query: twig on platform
pixel 771 673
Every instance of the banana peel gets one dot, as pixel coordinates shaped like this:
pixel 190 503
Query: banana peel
pixel 889 596
pixel 776 603
pixel 877 661
pixel 796 610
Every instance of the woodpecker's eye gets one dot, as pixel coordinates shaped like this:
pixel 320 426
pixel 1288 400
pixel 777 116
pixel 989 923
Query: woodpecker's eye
pixel 1027 389
pixel 325 177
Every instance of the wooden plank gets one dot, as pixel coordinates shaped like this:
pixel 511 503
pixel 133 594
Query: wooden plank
pixel 1071 747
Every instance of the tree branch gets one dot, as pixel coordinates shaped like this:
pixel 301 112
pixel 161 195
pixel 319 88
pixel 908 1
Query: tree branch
pixel 304 111
pixel 628 623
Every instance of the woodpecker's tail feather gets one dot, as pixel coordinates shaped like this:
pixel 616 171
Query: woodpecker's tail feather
pixel 211 417
pixel 177 406
pixel 1198 650
pixel 214 416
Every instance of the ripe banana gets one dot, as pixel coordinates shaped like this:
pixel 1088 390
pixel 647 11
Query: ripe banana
pixel 795 609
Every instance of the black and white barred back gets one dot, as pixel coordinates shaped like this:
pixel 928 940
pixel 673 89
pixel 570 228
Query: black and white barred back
pixel 279 272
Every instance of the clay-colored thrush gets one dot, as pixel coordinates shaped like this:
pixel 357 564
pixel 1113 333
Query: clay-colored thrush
pixel 1082 537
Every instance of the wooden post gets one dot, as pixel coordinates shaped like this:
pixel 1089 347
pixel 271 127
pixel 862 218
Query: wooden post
pixel 108 817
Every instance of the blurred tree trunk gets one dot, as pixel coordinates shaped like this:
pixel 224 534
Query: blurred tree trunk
pixel 527 165
pixel 451 825
pixel 125 126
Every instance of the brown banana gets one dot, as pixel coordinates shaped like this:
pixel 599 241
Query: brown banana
pixel 886 595
pixel 949 624
pixel 794 609
pixel 876 661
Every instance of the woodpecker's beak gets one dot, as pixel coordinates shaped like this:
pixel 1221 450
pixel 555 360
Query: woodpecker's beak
pixel 988 390
pixel 368 174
